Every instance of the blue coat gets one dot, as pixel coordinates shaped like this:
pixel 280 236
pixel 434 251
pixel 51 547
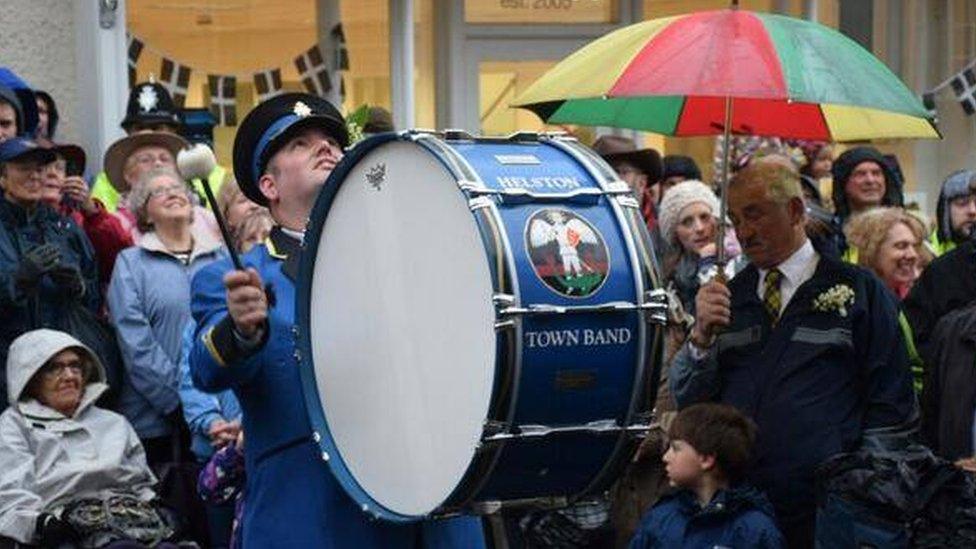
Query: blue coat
pixel 200 409
pixel 21 311
pixel 292 498
pixel 817 384
pixel 739 518
pixel 148 301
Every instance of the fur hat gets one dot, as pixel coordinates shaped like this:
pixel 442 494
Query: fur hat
pixel 679 196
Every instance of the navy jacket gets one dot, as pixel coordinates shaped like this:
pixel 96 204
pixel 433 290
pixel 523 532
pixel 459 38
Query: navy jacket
pixel 739 517
pixel 45 306
pixel 816 385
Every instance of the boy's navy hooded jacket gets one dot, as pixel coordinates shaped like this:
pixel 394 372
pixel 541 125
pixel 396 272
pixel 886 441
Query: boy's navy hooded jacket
pixel 817 384
pixel 737 517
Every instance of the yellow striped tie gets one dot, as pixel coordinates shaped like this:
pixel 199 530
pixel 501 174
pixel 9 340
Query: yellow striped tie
pixel 772 296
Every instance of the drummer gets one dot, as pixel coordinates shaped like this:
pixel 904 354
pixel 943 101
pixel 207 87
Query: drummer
pixel 283 153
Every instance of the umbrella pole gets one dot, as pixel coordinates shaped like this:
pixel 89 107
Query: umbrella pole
pixel 724 186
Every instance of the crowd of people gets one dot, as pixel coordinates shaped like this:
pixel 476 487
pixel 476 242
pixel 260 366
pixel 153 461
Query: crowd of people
pixel 829 352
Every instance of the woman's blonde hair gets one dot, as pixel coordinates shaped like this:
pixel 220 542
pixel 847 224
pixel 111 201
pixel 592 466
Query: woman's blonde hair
pixel 228 193
pixel 867 231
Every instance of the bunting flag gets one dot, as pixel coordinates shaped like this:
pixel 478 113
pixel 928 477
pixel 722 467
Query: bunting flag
pixel 318 69
pixel 176 79
pixel 223 98
pixel 135 47
pixel 341 53
pixel 267 84
pixel 313 72
pixel 964 85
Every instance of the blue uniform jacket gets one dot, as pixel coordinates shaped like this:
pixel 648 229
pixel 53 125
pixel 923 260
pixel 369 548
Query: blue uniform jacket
pixel 737 518
pixel 292 498
pixel 819 383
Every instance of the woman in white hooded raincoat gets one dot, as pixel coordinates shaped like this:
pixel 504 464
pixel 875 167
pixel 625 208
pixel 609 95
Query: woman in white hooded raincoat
pixel 56 446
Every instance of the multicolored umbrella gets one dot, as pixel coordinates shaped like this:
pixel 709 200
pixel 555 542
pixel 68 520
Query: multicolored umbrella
pixel 781 77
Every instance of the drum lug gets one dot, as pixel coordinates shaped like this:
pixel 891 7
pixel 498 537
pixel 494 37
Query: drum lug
pixel 656 303
pixel 486 507
pixel 503 300
pixel 504 325
pixel 628 202
pixel 523 137
pixel 479 202
pixel 456 134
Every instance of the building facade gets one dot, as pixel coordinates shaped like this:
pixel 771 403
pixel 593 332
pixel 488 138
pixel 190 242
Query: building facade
pixel 437 63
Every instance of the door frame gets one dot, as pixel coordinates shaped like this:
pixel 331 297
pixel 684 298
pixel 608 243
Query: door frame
pixel 461 47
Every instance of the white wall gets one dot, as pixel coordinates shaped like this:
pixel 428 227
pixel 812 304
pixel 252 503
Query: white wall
pixel 37 41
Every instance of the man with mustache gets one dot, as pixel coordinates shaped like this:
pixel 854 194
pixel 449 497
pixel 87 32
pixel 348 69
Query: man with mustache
pixel 808 346
pixel 283 153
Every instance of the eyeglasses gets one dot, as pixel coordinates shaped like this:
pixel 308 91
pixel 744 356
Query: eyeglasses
pixel 145 159
pixel 59 369
pixel 175 188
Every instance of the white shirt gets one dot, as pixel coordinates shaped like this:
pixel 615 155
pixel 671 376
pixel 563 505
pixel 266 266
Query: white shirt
pixel 796 269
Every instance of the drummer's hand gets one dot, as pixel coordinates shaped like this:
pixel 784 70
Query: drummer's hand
pixel 246 301
pixel 713 311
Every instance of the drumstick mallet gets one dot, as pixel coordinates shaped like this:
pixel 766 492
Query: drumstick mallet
pixel 196 162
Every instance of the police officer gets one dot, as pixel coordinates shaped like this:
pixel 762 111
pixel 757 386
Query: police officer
pixel 284 151
pixel 150 109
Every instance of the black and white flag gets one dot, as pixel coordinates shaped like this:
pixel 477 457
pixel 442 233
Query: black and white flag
pixel 313 72
pixel 135 47
pixel 176 78
pixel 267 84
pixel 223 98
pixel 964 85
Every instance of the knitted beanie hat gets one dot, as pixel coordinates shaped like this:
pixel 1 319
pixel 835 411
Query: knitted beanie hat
pixel 679 196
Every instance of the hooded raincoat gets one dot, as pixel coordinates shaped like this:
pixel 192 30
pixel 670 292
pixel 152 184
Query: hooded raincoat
pixel 47 459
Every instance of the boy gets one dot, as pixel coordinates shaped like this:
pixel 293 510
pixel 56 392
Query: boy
pixel 707 457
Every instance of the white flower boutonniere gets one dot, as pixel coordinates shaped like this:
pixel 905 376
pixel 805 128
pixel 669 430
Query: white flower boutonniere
pixel 838 298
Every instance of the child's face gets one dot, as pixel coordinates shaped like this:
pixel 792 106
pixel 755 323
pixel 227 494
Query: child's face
pixel 685 466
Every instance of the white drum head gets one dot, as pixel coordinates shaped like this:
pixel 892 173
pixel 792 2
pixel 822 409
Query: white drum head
pixel 402 328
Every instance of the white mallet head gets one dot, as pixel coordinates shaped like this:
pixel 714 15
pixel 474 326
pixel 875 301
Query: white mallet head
pixel 196 162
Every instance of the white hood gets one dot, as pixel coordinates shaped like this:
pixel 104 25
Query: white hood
pixel 29 352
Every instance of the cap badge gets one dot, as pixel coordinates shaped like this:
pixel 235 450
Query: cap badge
pixel 148 99
pixel 301 110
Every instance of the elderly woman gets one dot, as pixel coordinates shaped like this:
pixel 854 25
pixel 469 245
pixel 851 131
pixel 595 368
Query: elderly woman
pixel 890 242
pixel 47 266
pixel 149 303
pixel 62 458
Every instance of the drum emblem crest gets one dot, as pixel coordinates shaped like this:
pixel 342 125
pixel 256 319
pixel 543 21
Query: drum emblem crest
pixel 568 254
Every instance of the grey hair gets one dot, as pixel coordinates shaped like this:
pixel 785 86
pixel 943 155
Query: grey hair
pixel 782 182
pixel 139 195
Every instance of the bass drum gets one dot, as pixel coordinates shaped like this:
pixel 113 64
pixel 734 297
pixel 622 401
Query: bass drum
pixel 478 323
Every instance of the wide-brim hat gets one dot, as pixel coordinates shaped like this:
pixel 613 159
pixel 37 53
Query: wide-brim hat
pixel 119 151
pixel 21 149
pixel 272 124
pixel 150 103
pixel 615 148
pixel 73 155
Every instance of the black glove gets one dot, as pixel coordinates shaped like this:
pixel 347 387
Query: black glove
pixel 52 531
pixel 68 279
pixel 35 263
